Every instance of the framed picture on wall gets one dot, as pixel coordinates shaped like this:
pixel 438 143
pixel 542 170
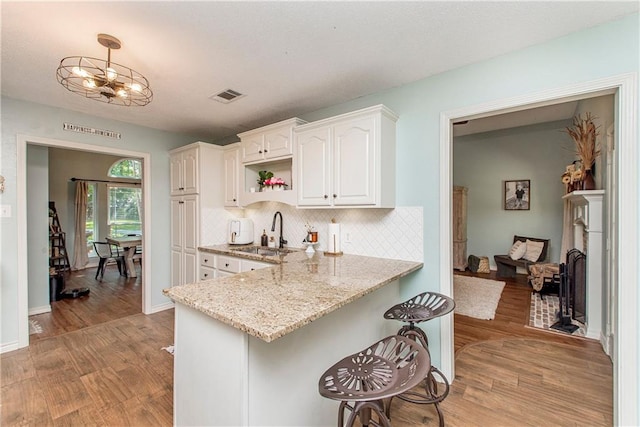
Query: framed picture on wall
pixel 517 195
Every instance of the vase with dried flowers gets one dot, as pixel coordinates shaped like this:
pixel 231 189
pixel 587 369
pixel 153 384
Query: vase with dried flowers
pixel 584 133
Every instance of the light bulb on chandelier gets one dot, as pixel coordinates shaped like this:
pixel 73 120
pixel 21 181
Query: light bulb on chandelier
pixel 104 80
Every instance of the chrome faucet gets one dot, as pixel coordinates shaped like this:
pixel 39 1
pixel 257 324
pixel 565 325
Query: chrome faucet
pixel 282 242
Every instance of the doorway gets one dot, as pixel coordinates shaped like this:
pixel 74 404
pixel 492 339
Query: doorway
pixel 22 142
pixel 623 87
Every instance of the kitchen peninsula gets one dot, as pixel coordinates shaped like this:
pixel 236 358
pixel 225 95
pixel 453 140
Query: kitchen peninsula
pixel 250 348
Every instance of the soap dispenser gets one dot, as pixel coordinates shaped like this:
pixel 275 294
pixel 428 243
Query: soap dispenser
pixel 264 240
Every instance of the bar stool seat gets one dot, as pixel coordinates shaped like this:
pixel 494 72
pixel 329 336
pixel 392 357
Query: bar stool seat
pixel 363 380
pixel 423 307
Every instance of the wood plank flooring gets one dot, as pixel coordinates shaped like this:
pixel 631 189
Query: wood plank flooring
pixel 111 374
pixel 113 297
pixel 114 373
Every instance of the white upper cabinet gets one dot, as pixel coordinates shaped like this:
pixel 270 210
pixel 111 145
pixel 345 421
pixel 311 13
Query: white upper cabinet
pixel 232 176
pixel 269 142
pixel 184 172
pixel 348 160
pixel 314 166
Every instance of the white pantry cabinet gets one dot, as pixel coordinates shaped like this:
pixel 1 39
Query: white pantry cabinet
pixel 232 176
pixel 204 163
pixel 184 171
pixel 270 142
pixel 347 160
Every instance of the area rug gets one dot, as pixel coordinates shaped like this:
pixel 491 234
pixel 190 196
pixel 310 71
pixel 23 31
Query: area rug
pixel 475 297
pixel 543 314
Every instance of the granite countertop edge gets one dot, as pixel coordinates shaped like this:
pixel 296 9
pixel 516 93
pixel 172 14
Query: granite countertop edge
pixel 202 296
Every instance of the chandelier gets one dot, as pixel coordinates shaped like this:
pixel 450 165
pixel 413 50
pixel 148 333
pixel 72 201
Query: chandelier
pixel 104 81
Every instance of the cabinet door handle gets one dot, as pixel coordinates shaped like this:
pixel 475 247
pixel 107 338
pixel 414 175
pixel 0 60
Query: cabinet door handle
pixel 334 196
pixel 265 150
pixel 260 152
pixel 226 265
pixel 206 274
pixel 206 260
pixel 252 269
pixel 181 202
pixel 234 200
pixel 326 197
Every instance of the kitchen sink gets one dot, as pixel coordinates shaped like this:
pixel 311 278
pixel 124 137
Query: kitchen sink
pixel 261 250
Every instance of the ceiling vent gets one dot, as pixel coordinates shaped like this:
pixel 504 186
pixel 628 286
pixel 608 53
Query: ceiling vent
pixel 227 96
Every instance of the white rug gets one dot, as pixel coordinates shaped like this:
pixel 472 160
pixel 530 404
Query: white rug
pixel 475 297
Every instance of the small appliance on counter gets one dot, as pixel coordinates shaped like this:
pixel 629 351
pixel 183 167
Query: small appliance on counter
pixel 240 231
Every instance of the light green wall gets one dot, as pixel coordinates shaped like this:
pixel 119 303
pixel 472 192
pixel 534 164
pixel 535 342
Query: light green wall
pixel 19 117
pixel 482 163
pixel 38 227
pixel 603 51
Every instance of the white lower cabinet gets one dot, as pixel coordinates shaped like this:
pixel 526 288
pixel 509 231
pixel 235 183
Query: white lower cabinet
pixel 248 265
pixel 214 266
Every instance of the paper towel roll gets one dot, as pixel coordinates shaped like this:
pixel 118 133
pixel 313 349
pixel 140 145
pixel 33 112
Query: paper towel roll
pixel 334 245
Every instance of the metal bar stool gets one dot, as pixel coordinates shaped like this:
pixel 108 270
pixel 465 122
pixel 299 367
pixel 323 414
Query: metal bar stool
pixel 363 380
pixel 423 307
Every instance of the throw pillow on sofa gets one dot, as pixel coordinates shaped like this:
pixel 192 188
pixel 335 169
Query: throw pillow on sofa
pixel 518 250
pixel 534 249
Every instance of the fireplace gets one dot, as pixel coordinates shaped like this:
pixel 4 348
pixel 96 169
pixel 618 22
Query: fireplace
pixel 572 288
pixel 583 231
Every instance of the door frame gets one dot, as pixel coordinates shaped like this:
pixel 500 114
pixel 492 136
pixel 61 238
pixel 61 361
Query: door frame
pixel 21 208
pixel 625 88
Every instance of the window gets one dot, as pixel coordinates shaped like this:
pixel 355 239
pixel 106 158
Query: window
pixel 126 168
pixel 91 223
pixel 124 210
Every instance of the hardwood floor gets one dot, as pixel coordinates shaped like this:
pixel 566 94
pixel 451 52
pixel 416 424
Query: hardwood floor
pixel 111 374
pixel 113 297
pixel 508 374
pixel 115 373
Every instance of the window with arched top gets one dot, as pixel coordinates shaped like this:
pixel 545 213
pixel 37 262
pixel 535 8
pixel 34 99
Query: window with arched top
pixel 126 168
pixel 125 199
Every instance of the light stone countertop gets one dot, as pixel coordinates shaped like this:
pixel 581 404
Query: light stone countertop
pixel 272 302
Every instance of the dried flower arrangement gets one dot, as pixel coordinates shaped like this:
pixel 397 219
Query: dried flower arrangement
pixel 584 133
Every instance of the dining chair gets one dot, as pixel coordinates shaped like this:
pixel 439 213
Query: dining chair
pixel 107 251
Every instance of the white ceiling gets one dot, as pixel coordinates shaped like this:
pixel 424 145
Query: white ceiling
pixel 289 58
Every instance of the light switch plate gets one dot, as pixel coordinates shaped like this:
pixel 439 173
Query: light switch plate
pixel 5 211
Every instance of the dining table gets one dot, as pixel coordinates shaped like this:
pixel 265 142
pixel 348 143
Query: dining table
pixel 128 244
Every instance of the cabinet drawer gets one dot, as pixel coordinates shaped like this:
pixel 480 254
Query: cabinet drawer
pixel 221 273
pixel 207 273
pixel 207 259
pixel 253 265
pixel 225 263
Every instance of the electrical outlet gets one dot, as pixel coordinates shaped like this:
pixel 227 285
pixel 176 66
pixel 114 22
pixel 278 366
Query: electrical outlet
pixel 5 211
pixel 347 237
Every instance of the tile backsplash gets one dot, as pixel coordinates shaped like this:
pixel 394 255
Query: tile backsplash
pixel 386 233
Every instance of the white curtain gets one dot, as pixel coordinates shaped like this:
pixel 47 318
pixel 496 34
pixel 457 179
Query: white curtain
pixel 80 252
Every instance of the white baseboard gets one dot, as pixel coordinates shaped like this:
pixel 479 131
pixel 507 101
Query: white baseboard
pixel 10 346
pixel 161 307
pixel 40 310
